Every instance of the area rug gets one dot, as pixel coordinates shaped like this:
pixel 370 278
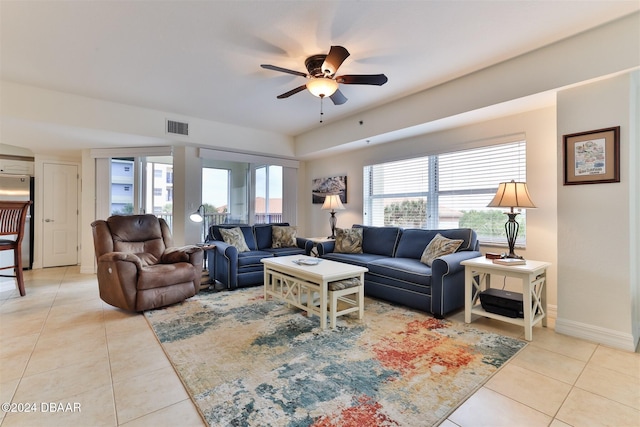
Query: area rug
pixel 250 362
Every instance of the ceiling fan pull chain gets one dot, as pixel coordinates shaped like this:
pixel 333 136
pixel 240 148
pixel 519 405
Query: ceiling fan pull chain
pixel 321 112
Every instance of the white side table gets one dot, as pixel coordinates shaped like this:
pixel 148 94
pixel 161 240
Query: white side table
pixel 534 292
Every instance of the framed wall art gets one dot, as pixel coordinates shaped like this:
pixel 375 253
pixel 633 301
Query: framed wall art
pixel 320 187
pixel 592 157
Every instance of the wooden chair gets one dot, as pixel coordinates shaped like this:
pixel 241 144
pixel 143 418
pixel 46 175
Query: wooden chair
pixel 13 216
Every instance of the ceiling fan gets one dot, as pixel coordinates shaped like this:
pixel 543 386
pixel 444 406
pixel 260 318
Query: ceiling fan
pixel 322 79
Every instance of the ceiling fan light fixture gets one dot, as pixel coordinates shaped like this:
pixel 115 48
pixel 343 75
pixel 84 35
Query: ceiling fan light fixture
pixel 322 86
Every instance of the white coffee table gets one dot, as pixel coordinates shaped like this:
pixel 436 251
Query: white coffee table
pixel 298 284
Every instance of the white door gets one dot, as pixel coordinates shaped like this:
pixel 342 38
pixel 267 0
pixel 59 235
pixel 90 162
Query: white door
pixel 60 215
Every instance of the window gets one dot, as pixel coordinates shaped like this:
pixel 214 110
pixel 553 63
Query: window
pixel 448 190
pixel 260 189
pixel 215 197
pixel 268 190
pixel 141 192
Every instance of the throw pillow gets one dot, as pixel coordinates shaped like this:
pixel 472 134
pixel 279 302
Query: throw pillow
pixel 348 241
pixel 234 237
pixel 438 247
pixel 283 237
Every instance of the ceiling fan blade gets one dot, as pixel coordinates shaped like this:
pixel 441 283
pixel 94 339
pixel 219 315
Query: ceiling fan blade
pixel 363 79
pixel 292 92
pixel 283 70
pixel 335 58
pixel 338 98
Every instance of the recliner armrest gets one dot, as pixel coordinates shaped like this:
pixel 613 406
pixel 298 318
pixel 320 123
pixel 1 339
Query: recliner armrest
pixel 121 256
pixel 191 253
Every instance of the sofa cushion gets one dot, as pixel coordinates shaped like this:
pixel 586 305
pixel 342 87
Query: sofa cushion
pixel 249 258
pixel 247 232
pixel 340 285
pixel 468 236
pixel 379 240
pixel 414 240
pixel 348 241
pixel 356 259
pixel 285 251
pixel 283 237
pixel 264 234
pixel 234 237
pixel 439 246
pixel 402 269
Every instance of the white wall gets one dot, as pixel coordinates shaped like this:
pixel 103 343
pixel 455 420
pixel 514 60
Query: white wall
pixel 601 51
pixel 539 129
pixel 97 123
pixel 598 274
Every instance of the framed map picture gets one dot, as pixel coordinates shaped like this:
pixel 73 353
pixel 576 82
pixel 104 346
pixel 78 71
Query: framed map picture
pixel 592 157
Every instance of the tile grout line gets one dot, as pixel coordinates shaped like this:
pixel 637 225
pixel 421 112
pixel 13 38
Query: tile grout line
pixel 113 391
pixel 573 386
pixel 24 370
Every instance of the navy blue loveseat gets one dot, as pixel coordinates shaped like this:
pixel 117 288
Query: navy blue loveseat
pixel 240 269
pixel 392 255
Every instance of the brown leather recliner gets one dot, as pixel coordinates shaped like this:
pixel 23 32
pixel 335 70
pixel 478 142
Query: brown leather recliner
pixel 138 266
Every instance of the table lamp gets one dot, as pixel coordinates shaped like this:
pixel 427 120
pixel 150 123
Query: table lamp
pixel 512 195
pixel 333 202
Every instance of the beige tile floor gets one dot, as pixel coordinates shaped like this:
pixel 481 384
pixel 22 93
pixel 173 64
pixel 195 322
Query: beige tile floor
pixel 61 345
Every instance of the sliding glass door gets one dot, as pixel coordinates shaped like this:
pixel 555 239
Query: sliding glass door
pixel 268 194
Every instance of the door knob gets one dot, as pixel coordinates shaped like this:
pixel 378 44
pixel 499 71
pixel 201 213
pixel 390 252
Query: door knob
pixel 48 220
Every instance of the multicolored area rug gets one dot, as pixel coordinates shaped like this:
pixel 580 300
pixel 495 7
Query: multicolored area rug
pixel 250 362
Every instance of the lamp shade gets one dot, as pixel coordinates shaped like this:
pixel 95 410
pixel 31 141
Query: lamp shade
pixel 333 202
pixel 198 216
pixel 512 195
pixel 322 86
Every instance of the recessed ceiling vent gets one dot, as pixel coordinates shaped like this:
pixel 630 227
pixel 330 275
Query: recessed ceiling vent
pixel 177 128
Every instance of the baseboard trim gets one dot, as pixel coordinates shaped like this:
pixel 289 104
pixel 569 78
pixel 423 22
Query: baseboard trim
pixel 608 337
pixel 552 311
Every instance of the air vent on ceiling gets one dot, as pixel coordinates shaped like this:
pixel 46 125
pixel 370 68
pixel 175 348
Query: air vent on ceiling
pixel 178 128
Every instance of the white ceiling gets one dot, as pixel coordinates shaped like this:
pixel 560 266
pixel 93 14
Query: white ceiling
pixel 202 58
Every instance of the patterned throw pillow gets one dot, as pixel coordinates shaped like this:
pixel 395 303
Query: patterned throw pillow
pixel 438 247
pixel 348 241
pixel 234 237
pixel 283 237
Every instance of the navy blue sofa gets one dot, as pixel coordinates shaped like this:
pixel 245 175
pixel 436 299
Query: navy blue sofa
pixel 392 255
pixel 241 269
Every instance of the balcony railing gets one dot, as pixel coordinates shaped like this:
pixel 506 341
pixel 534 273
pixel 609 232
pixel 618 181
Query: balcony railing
pixel 225 218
